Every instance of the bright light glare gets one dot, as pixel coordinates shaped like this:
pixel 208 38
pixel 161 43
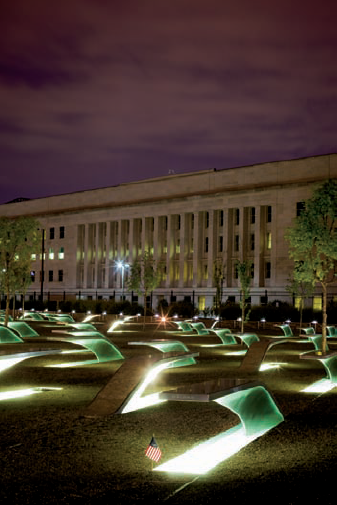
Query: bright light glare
pixel 20 393
pixel 205 456
pixel 270 366
pixel 136 401
pixel 321 386
pixel 7 363
pixel 236 353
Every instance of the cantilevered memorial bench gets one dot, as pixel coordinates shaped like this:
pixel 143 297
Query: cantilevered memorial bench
pixel 23 329
pixel 124 392
pixel 9 360
pixel 95 342
pixel 184 326
pixel 7 336
pixel 250 401
pixel 327 359
pixel 168 346
pixel 256 353
pixel 200 328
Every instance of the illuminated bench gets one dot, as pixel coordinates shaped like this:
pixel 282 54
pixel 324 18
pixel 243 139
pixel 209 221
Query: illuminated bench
pixel 317 340
pixel 9 360
pixel 83 326
pixel 225 335
pixel 23 329
pixel 124 392
pixel 286 330
pixel 331 331
pixel 248 338
pixel 95 342
pixel 257 351
pixel 308 331
pixel 250 401
pixel 165 346
pixel 184 326
pixel 200 328
pixel 7 336
pixel 328 360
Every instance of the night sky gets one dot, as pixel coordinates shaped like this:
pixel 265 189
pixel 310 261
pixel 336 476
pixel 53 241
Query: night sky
pixel 95 93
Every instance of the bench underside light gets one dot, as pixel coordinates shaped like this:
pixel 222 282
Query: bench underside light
pixel 258 414
pixel 330 365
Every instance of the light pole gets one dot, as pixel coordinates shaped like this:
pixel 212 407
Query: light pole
pixel 122 266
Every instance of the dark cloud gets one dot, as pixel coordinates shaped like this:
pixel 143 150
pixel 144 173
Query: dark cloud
pixel 96 93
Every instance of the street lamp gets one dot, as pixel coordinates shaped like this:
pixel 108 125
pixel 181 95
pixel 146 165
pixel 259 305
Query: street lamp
pixel 122 266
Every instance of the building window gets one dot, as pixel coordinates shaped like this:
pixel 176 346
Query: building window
pixel 300 207
pixel 60 275
pixel 236 243
pixel 269 213
pixel 32 275
pixel 237 216
pixel 220 243
pixel 51 233
pixel 51 253
pixel 236 272
pixel 221 218
pixel 317 303
pixel 33 257
pixel 252 242
pixel 206 244
pixel 50 276
pixel 61 253
pixel 252 215
pixel 206 219
pixel 61 231
pixel 205 272
pixel 178 246
pixel 201 302
pixel 268 270
pixel 252 271
pixel 268 240
pixel 179 222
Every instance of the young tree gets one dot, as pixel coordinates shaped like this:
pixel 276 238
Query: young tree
pixel 302 290
pixel 19 239
pixel 218 278
pixel 244 270
pixel 313 243
pixel 143 276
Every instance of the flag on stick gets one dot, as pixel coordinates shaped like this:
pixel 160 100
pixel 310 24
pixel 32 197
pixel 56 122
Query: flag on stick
pixel 153 452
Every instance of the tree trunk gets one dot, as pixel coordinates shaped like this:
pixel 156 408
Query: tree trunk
pixel 324 317
pixel 145 298
pixel 8 299
pixel 243 303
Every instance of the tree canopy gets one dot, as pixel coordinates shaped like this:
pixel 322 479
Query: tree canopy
pixel 313 242
pixel 19 239
pixel 143 276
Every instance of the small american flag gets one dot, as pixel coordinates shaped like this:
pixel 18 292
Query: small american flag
pixel 153 452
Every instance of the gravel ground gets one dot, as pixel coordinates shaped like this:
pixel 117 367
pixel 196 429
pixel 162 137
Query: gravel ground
pixel 52 454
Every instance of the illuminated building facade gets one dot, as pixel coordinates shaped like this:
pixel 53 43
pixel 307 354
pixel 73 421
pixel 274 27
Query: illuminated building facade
pixel 189 222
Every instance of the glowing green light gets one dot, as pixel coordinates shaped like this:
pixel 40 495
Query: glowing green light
pixel 207 455
pixel 321 386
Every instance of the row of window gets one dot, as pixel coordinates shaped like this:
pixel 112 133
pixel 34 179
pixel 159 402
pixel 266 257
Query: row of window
pixel 267 272
pixel 52 232
pixel 51 254
pixel 51 277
